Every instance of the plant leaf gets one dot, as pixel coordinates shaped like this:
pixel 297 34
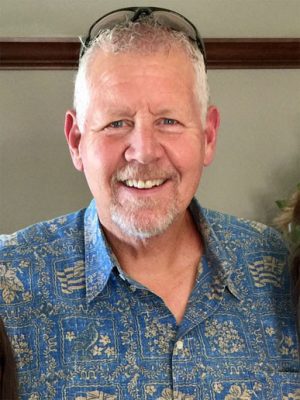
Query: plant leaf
pixel 282 204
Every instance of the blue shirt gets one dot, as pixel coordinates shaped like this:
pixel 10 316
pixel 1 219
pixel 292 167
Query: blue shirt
pixel 82 330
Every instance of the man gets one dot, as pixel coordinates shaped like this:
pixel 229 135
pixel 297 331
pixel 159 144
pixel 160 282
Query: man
pixel 144 294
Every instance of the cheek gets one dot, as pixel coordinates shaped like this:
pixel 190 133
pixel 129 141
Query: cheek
pixel 189 156
pixel 100 160
pixel 190 166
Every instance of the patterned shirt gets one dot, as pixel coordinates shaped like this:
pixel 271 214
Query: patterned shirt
pixel 83 330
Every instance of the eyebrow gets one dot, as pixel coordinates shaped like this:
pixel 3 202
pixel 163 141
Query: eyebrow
pixel 164 111
pixel 120 112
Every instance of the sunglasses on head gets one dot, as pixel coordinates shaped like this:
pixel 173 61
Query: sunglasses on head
pixel 163 16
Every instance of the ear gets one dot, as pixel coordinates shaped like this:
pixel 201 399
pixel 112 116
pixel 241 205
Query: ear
pixel 211 133
pixel 73 136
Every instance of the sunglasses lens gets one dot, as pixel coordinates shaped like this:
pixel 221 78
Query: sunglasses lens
pixel 110 21
pixel 175 22
pixel 165 18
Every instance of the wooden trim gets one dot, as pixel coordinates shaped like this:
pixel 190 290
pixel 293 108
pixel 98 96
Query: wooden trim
pixel 253 53
pixel 34 53
pixel 62 53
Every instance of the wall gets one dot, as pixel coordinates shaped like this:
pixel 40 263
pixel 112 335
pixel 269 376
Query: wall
pixel 214 18
pixel 258 157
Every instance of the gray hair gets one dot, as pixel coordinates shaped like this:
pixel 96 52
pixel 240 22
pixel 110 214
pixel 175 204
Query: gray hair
pixel 144 36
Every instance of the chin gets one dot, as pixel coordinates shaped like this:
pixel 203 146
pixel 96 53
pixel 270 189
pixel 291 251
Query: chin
pixel 143 224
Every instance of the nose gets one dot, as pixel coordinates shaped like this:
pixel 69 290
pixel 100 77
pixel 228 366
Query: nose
pixel 144 146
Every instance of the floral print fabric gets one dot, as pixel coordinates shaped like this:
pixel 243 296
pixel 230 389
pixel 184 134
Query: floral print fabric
pixel 82 330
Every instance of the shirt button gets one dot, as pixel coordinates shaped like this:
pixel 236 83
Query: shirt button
pixel 179 345
pixel 132 288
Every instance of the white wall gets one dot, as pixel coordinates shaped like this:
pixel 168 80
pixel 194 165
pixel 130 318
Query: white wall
pixel 258 158
pixel 214 18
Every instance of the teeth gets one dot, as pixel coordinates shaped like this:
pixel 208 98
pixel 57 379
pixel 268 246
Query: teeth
pixel 143 184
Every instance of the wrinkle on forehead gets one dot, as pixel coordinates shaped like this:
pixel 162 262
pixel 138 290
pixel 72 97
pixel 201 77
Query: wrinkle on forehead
pixel 105 63
pixel 125 84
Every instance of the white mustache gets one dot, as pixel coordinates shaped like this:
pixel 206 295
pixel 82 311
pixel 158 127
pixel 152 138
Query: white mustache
pixel 143 172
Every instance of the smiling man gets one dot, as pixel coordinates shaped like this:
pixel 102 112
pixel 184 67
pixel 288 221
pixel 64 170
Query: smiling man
pixel 144 294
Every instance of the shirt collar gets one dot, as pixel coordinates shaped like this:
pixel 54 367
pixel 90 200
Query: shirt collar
pixel 210 224
pixel 100 260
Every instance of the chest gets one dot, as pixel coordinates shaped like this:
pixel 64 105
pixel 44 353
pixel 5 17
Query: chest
pixel 126 345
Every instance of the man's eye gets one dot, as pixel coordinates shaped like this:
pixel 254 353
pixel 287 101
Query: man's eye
pixel 169 121
pixel 117 124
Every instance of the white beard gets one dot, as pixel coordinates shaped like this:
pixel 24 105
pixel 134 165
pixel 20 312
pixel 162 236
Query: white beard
pixel 144 218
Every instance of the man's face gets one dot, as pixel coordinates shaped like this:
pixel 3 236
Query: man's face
pixel 143 146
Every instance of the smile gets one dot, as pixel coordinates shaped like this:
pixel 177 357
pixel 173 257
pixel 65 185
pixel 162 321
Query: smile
pixel 139 184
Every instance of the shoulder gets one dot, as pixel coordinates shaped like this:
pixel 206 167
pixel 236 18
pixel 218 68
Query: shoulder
pixel 244 230
pixel 256 252
pixel 43 233
pixel 31 257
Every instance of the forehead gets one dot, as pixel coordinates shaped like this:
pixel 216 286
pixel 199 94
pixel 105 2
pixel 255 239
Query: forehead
pixel 107 68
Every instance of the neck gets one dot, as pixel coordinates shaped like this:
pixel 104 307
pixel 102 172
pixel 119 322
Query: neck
pixel 166 264
pixel 178 238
